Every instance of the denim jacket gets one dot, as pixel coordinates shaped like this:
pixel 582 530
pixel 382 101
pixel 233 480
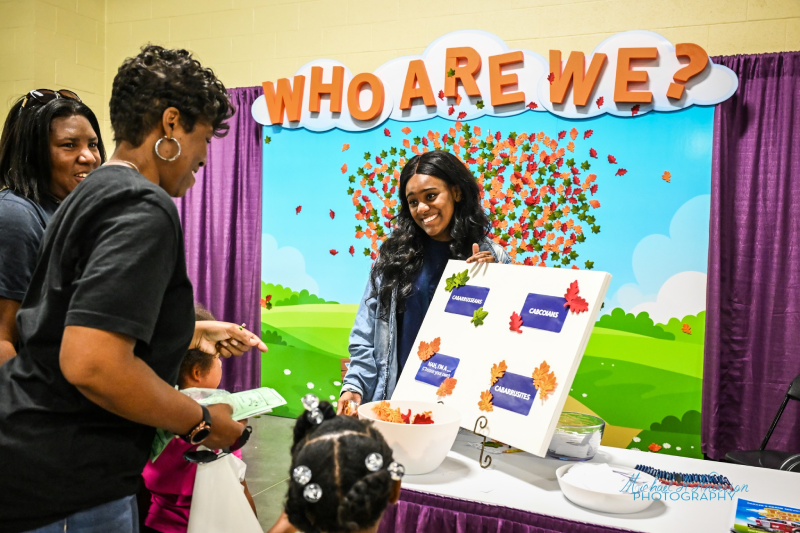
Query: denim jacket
pixel 373 342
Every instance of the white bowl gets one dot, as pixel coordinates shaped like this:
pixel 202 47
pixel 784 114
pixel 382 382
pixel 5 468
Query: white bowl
pixel 420 448
pixel 605 502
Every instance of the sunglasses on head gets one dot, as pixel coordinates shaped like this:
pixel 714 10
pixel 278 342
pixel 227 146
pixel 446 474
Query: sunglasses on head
pixel 208 456
pixel 43 96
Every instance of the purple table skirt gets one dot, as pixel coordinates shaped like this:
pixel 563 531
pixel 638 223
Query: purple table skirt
pixel 421 512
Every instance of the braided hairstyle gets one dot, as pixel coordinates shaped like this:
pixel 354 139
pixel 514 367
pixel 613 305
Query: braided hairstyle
pixel 353 498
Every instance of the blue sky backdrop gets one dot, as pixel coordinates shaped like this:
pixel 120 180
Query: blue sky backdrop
pixel 651 230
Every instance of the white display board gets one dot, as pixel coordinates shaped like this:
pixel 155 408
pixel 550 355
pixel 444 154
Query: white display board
pixel 524 411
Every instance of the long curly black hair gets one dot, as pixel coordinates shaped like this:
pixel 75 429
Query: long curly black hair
pixel 159 78
pixel 353 498
pixel 400 257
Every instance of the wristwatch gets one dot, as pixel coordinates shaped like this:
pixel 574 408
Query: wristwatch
pixel 201 431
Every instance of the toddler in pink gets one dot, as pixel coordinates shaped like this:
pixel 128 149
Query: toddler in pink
pixel 170 479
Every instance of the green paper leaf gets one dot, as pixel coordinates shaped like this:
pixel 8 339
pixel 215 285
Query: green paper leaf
pixel 585 165
pixel 570 162
pixel 588 265
pixel 267 139
pixel 478 316
pixel 366 252
pixel 451 73
pixel 367 156
pixel 456 280
pixel 479 104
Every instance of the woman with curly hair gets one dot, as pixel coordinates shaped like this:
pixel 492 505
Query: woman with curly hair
pixel 50 142
pixel 110 313
pixel 440 218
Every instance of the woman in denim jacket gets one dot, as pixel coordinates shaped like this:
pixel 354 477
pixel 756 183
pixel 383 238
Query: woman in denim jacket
pixel 440 218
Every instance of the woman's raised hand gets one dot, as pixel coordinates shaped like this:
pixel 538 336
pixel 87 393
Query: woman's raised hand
pixel 480 257
pixel 224 338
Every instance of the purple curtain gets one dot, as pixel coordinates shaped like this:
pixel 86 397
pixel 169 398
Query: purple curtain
pixel 752 349
pixel 221 217
pixel 420 512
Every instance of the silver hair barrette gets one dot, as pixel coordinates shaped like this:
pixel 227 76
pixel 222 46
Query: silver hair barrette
pixel 312 493
pixel 301 474
pixel 396 471
pixel 374 462
pixel 311 404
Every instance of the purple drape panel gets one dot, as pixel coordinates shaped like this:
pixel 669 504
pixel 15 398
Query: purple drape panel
pixel 221 217
pixel 752 349
pixel 420 512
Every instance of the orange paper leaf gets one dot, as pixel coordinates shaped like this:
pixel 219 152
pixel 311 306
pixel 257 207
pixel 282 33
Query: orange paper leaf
pixel 544 380
pixel 686 328
pixel 486 401
pixel 447 386
pixel 427 349
pixel 498 371
pixel 406 130
pixel 344 168
pixel 345 146
pixel 666 176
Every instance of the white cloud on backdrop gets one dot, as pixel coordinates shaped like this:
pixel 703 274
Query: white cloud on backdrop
pixel 682 294
pixel 285 266
pixel 715 84
pixel 668 267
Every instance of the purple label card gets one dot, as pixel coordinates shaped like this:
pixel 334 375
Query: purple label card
pixel 544 312
pixel 514 392
pixel 436 369
pixel 466 300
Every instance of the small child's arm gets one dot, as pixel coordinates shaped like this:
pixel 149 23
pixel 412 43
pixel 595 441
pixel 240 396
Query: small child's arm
pixel 249 498
pixel 283 525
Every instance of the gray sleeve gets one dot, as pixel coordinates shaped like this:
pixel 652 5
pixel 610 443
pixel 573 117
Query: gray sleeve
pixel 20 237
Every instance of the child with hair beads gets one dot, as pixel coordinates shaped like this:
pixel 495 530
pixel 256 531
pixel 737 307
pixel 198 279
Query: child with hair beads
pixel 170 479
pixel 342 475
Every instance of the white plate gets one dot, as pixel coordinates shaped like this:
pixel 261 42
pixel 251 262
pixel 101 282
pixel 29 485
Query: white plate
pixel 606 502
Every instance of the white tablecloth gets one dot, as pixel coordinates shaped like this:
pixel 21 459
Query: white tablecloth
pixel 523 481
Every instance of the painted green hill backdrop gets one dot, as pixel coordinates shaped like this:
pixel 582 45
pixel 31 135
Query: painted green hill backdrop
pixel 630 360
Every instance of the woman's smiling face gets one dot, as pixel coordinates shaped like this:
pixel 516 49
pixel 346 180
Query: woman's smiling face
pixel 432 202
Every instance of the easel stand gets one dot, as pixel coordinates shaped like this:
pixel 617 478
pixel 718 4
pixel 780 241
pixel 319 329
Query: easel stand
pixel 481 423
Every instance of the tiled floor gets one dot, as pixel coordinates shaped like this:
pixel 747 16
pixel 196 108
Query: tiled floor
pixel 268 460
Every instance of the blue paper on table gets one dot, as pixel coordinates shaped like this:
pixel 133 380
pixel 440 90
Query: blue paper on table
pixel 436 369
pixel 514 392
pixel 544 312
pixel 466 300
pixel 755 517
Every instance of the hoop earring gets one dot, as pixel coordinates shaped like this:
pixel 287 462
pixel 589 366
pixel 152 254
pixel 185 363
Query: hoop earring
pixel 158 142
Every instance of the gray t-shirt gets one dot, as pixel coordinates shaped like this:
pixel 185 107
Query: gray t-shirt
pixel 22 223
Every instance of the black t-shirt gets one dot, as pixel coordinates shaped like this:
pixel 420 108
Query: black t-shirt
pixel 112 259
pixel 23 222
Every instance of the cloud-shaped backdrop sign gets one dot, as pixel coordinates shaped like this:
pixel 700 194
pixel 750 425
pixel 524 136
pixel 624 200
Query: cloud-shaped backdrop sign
pixel 468 74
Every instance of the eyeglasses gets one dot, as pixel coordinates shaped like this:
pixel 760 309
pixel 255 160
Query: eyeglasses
pixel 43 96
pixel 207 456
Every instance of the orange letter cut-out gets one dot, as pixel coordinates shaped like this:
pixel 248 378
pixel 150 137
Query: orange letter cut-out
pixel 465 74
pixel 334 88
pixel 417 74
pixel 625 75
pixel 498 80
pixel 285 98
pixel 354 92
pixel 582 86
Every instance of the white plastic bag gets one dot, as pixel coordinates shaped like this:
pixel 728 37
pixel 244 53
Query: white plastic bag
pixel 218 501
